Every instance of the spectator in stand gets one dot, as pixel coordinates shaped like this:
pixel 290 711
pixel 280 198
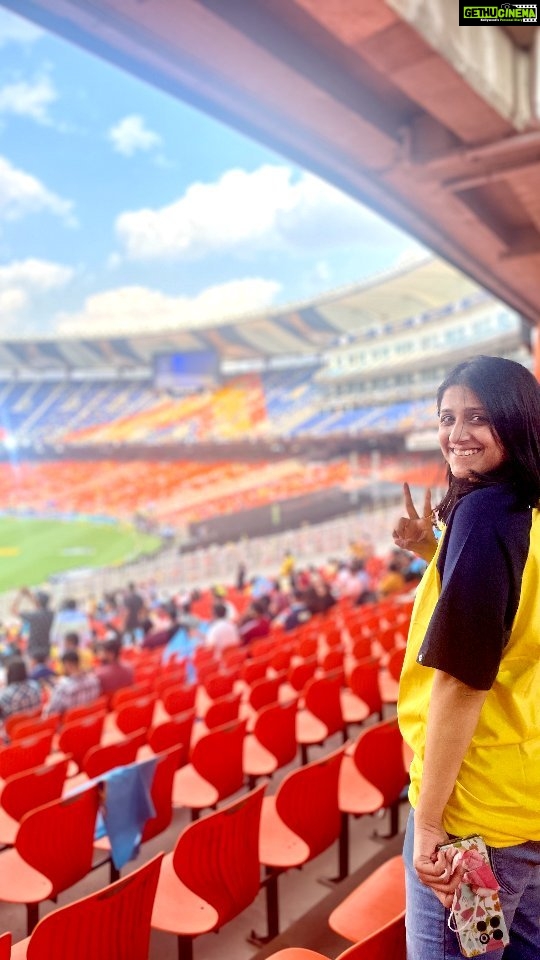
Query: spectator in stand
pixel 86 654
pixel 353 581
pixel 75 688
pixel 255 624
pixel 220 596
pixel 110 614
pixel 286 570
pixel 37 621
pixel 279 600
pixel 222 632
pixel 41 671
pixel 393 581
pixel 319 597
pixel 241 576
pixel 111 672
pixel 296 613
pixel 134 614
pixel 164 626
pixel 20 693
pixel 69 620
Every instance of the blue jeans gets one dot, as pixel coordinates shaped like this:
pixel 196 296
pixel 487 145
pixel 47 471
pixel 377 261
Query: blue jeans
pixel 518 871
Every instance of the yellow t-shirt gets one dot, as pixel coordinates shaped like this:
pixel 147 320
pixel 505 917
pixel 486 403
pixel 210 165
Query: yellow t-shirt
pixel 497 792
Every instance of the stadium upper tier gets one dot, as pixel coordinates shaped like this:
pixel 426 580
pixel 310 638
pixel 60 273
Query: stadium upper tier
pixel 361 362
pixel 274 405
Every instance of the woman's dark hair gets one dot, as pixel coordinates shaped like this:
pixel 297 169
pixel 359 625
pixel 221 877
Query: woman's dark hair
pixel 16 671
pixel 511 396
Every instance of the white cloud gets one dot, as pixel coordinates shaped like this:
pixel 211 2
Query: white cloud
pixel 31 100
pixel 39 275
pixel 22 194
pixel 14 29
pixel 134 309
pixel 22 281
pixel 131 134
pixel 264 209
pixel 12 301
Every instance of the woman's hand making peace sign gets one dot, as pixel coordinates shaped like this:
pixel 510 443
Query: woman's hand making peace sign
pixel 415 532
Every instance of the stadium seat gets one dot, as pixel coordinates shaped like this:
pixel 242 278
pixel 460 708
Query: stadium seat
pixel 105 757
pixel 300 821
pixel 170 678
pixel 135 715
pixel 112 924
pixel 78 736
pixel 332 661
pixel 5 946
pixel 20 717
pixel 253 670
pixel 322 715
pixel 30 728
pixel 372 778
pixel 300 674
pixel 79 713
pixel 215 769
pixel 221 711
pixel 376 902
pixel 174 732
pixel 388 943
pixel 363 681
pixel 264 692
pixel 212 875
pixel 24 754
pixel 272 743
pixel 389 678
pixel 178 698
pixel 27 790
pixel 53 850
pixel 126 694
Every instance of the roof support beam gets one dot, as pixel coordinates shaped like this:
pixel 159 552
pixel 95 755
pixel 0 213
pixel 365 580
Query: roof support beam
pixel 499 71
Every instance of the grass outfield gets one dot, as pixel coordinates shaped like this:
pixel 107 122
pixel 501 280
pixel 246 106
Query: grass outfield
pixel 33 550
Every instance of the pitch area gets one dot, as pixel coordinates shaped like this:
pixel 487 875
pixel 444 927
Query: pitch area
pixel 33 550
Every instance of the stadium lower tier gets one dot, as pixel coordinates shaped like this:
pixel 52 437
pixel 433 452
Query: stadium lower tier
pixel 178 494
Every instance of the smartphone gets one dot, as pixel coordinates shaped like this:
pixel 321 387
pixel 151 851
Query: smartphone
pixel 477 918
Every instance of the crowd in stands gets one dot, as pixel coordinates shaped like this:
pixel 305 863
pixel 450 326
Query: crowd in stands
pixel 68 657
pixel 186 666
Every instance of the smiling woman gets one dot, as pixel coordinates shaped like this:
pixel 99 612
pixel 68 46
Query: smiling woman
pixel 467 439
pixel 468 706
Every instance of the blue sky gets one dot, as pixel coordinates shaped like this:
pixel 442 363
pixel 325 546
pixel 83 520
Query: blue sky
pixel 122 209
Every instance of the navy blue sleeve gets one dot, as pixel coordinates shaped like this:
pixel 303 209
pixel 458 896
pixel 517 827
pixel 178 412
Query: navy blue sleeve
pixel 481 567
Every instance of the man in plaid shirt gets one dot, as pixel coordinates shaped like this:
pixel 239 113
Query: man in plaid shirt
pixel 75 688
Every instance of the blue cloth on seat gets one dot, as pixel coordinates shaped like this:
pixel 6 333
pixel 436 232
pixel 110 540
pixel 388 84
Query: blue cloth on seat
pixel 128 805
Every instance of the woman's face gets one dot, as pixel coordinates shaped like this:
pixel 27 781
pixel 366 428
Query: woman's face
pixel 467 439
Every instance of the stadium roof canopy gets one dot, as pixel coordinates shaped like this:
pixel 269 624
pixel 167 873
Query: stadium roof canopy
pixel 378 305
pixel 433 124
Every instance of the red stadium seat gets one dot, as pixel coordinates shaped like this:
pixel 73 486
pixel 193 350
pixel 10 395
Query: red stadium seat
pixel 112 924
pixel 213 873
pixel 53 850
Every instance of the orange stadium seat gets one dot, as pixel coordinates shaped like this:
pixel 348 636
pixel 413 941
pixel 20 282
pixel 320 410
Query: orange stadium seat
pixel 27 790
pixel 112 924
pixel 212 875
pixel 300 821
pixel 53 850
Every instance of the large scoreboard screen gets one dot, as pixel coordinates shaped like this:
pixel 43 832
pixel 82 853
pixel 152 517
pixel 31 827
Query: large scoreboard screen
pixel 184 372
